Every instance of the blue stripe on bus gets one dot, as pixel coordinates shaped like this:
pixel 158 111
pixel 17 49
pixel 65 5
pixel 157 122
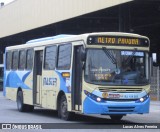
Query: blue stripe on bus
pixel 14 81
pixel 62 83
pixel 25 76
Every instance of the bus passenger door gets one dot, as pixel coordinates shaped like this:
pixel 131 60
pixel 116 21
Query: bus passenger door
pixel 77 79
pixel 37 77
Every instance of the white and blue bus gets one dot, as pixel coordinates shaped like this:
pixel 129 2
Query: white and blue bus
pixel 95 73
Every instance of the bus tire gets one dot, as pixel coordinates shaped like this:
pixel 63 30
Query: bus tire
pixel 20 105
pixel 62 111
pixel 29 108
pixel 116 117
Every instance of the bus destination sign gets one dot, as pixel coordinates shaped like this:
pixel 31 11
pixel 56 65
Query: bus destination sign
pixel 118 40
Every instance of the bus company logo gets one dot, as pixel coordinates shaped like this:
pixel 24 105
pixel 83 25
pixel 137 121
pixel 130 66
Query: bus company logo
pixel 6 126
pixel 50 81
pixel 105 95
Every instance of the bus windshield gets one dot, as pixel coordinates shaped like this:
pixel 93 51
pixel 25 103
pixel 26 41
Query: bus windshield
pixel 116 67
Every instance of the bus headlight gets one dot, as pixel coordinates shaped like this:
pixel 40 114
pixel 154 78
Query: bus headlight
pixel 98 99
pixel 94 97
pixel 142 99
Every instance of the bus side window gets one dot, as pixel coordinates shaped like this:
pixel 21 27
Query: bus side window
pixel 8 60
pixel 50 58
pixel 15 60
pixel 29 61
pixel 64 56
pixel 22 60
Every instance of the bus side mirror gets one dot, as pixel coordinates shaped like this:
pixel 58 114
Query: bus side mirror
pixel 151 66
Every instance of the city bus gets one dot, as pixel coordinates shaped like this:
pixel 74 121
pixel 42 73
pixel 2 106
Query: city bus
pixel 94 73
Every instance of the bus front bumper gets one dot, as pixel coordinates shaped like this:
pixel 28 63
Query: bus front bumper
pixel 110 107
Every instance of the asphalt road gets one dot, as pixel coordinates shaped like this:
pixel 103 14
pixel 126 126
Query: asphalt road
pixel 10 114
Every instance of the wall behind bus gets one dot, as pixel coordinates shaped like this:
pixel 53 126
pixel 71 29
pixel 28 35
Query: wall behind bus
pixel 23 15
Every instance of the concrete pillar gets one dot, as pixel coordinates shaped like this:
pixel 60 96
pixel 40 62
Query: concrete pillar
pixel 124 18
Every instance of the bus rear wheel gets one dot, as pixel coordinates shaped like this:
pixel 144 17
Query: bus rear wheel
pixel 62 111
pixel 21 106
pixel 116 117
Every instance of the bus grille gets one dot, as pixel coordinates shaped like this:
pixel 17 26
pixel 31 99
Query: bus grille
pixel 120 90
pixel 121 109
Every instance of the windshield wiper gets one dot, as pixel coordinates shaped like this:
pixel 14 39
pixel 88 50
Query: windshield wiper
pixel 110 55
pixel 130 57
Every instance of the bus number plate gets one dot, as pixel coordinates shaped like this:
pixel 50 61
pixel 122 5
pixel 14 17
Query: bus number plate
pixel 115 96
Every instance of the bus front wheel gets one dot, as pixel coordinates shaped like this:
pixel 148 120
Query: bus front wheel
pixel 116 117
pixel 62 111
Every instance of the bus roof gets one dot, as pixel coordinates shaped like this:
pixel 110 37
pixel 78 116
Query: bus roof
pixel 49 38
pixel 63 38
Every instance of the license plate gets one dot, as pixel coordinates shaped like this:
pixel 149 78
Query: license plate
pixel 115 96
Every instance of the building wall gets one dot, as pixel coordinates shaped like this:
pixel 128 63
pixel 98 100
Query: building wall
pixel 23 15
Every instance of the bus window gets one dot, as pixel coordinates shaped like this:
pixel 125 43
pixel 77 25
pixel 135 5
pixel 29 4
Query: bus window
pixel 50 57
pixel 29 59
pixel 15 60
pixel 22 60
pixel 64 56
pixel 9 60
pixel 1 76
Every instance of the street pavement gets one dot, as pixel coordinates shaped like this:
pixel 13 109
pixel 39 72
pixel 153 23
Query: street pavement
pixel 10 114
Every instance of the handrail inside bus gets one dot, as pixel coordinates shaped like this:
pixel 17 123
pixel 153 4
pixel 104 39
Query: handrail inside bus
pixel 49 38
